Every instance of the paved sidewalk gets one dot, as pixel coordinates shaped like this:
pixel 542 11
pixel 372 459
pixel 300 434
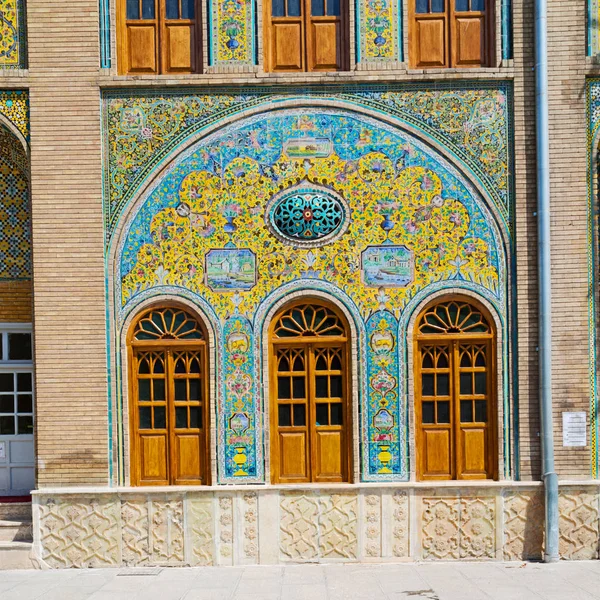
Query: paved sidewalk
pixel 442 581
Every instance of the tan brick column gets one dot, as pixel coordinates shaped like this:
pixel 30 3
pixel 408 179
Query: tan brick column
pixel 69 305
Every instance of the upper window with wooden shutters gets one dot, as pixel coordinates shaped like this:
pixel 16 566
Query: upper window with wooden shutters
pixel 306 35
pixel 450 33
pixel 158 36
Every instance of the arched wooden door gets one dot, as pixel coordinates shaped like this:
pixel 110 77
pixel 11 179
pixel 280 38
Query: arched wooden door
pixel 309 390
pixel 455 400
pixel 169 399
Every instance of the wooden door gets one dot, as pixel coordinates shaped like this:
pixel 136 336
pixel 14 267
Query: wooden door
pixel 158 36
pixel 305 35
pixel 454 394
pixel 449 33
pixel 169 429
pixel 310 418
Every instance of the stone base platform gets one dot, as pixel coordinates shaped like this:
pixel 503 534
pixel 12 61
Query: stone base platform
pixel 246 525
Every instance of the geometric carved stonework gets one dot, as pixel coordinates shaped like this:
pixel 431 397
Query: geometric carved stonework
pixel 134 518
pixel 201 526
pixel 400 524
pixel 523 525
pixel 80 533
pixel 314 526
pixel 455 528
pixel 372 525
pixel 578 525
pixel 250 510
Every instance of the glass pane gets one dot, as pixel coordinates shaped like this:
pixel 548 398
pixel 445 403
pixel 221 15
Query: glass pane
pixel 466 384
pixel 427 362
pixel 480 383
pixel 181 417
pixel 336 363
pixel 147 9
pixel 144 367
pixel 19 346
pixel 299 363
pixel 25 425
pixel 284 363
pixel 437 6
pixel 299 415
pixel 428 409
pixel 172 9
pixel 481 411
pixel 443 412
pixel 428 389
pixel 285 415
pixel 462 5
pixel 159 390
pixel 322 414
pixel 160 417
pixel 317 8
pixel 195 417
pixel 180 389
pixel 7 382
pixel 283 387
pixel 333 8
pixel 145 417
pixel 294 11
pixel 466 411
pixel 159 366
pixel 443 384
pixel 299 387
pixel 7 425
pixel 195 389
pixel 321 386
pixel 24 382
pixel 335 383
pixel 195 366
pixel 422 7
pixel 336 410
pixel 442 361
pixel 480 360
pixel 465 360
pixel 133 9
pixel 277 8
pixel 143 390
pixel 187 9
pixel 180 365
pixel 7 404
pixel 24 403
pixel 478 5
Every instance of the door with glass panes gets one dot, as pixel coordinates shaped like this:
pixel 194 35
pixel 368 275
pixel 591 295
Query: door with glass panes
pixel 169 406
pixel 310 418
pixel 305 35
pixel 455 393
pixel 17 464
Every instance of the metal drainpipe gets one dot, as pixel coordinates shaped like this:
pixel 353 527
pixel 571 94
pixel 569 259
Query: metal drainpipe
pixel 550 477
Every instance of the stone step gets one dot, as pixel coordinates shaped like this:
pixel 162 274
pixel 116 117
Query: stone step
pixel 15 511
pixel 15 531
pixel 17 555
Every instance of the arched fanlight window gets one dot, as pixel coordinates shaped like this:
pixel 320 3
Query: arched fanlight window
pixel 310 390
pixel 455 400
pixel 169 399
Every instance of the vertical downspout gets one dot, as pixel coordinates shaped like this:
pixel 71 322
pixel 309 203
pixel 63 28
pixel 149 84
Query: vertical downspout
pixel 545 328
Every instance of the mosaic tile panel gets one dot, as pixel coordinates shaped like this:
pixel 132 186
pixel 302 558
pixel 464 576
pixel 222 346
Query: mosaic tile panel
pixel 379 26
pixel 233 32
pixel 14 105
pixel 402 196
pixel 15 214
pixel 472 121
pixel 12 38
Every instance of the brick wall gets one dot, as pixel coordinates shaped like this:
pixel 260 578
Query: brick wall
pixel 15 301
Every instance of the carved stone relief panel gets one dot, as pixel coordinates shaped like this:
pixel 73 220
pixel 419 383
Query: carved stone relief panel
pixel 225 530
pixel 371 534
pixel 440 528
pixel 167 531
pixel 135 531
pixel 578 525
pixel 249 502
pixel 79 532
pixel 523 525
pixel 201 530
pixel 400 545
pixel 298 538
pixel 337 525
pixel 477 527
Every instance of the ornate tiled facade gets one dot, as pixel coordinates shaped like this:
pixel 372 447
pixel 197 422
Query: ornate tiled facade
pixel 215 200
pixel 12 40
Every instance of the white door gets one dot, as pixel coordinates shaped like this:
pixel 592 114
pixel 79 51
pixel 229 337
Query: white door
pixel 17 461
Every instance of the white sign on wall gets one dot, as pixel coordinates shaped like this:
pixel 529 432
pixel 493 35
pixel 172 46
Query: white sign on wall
pixel 574 429
pixel 2 449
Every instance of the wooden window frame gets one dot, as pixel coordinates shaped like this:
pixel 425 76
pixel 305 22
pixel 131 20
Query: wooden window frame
pixel 451 36
pixel 309 342
pixel 161 24
pixel 169 347
pixel 307 51
pixel 453 341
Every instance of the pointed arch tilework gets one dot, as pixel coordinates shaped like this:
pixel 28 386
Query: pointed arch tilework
pixel 409 207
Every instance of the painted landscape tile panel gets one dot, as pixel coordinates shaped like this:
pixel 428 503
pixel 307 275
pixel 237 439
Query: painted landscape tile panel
pixel 387 266
pixel 230 269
